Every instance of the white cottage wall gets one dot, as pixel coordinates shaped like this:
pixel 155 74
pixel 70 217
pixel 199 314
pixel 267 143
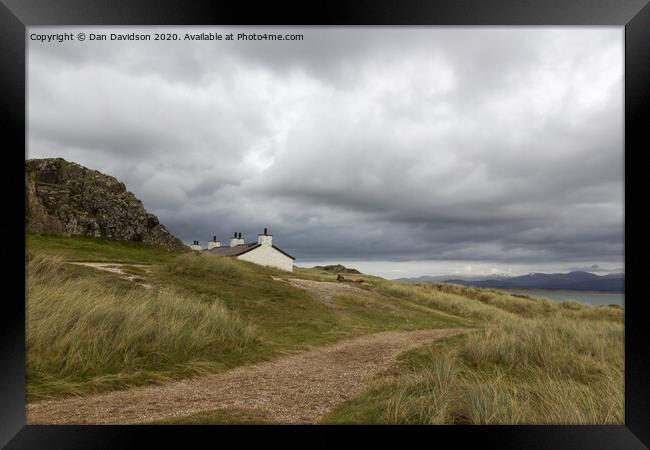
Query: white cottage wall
pixel 266 255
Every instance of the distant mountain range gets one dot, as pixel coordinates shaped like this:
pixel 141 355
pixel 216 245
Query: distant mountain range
pixel 576 281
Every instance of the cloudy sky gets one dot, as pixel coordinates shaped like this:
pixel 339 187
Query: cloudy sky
pixel 400 151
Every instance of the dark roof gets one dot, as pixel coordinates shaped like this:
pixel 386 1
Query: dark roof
pixel 233 251
pixel 240 250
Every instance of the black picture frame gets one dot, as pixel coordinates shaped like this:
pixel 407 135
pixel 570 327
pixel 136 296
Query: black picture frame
pixel 16 15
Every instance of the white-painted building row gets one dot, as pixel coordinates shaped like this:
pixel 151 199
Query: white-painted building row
pixel 262 252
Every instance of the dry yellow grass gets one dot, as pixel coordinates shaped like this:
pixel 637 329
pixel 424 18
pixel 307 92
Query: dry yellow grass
pixel 78 327
pixel 533 362
pixel 553 370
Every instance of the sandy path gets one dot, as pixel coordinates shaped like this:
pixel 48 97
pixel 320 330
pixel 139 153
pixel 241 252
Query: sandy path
pixel 323 291
pixel 299 388
pixel 116 268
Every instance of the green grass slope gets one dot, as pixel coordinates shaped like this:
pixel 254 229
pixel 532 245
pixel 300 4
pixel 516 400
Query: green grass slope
pixel 528 361
pixel 90 330
pixel 79 248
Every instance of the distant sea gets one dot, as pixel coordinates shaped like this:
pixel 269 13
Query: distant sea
pixel 596 298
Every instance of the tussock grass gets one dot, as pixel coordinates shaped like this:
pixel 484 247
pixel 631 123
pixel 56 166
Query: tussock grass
pixel 540 399
pixel 554 370
pixel 492 403
pixel 450 302
pixel 556 344
pixel 79 328
pixel 205 266
pixel 424 397
pixel 602 313
pixel 533 361
pixel 571 305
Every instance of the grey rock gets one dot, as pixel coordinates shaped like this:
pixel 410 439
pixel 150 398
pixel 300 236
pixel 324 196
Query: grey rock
pixel 63 197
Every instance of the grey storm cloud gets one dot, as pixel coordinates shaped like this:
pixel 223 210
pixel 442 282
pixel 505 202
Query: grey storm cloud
pixel 479 144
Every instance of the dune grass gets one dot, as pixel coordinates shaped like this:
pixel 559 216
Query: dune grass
pixel 450 302
pixel 528 361
pixel 538 362
pixel 79 328
pixel 90 330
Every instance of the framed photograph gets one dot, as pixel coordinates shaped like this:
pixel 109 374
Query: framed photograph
pixel 393 220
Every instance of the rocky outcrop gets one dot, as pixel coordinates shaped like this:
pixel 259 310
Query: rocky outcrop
pixel 62 197
pixel 338 268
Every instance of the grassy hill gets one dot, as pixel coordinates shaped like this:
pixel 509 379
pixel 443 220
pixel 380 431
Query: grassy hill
pixel 183 314
pixel 90 330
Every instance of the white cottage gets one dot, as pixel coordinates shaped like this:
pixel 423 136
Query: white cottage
pixel 262 252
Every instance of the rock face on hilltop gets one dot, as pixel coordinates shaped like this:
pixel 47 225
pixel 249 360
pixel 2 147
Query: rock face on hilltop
pixel 65 198
pixel 338 268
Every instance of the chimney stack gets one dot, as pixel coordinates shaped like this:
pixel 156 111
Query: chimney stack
pixel 236 240
pixel 195 246
pixel 265 239
pixel 214 243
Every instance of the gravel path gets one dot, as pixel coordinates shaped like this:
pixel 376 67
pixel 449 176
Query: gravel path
pixel 298 388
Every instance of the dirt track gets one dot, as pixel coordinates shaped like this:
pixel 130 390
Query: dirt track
pixel 116 268
pixel 298 388
pixel 323 291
